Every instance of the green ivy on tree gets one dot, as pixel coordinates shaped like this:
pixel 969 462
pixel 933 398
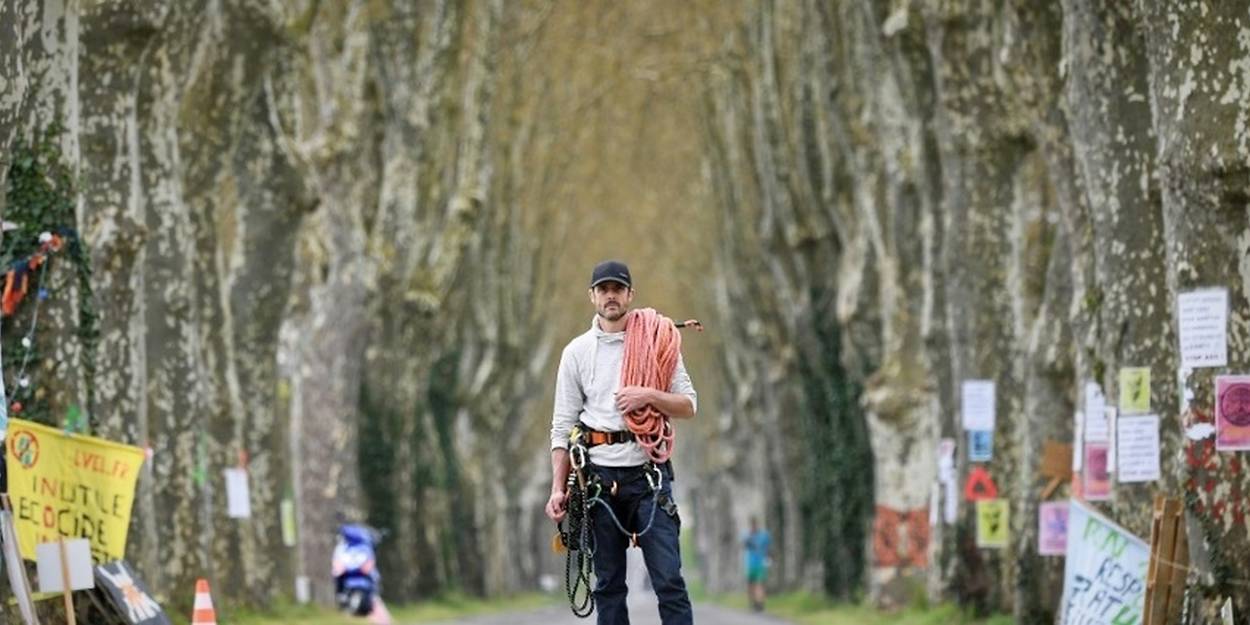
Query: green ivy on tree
pixel 41 197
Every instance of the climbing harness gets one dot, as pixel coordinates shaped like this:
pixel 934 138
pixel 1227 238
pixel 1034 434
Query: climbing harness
pixel 576 537
pixel 652 348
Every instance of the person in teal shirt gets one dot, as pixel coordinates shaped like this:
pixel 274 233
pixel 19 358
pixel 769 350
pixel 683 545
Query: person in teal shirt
pixel 756 545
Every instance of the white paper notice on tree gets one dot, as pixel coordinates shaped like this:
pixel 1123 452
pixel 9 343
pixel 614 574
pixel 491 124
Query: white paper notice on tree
pixel 1096 430
pixel 238 496
pixel 1202 317
pixel 978 405
pixel 1137 448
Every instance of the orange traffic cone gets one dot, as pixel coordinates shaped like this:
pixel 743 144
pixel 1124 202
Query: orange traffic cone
pixel 203 613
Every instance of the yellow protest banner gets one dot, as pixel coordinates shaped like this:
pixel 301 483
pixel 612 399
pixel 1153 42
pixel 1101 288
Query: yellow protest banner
pixel 992 523
pixel 70 485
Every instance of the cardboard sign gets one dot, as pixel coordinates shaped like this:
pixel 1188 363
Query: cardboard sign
pixel 1104 574
pixel 1232 412
pixel 71 486
pixel 1202 320
pixel 128 594
pixel 1052 528
pixel 992 524
pixel 1134 390
pixel 1056 460
pixel 980 486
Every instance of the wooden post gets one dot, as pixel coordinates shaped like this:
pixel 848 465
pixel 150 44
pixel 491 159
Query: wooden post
pixel 1169 561
pixel 69 594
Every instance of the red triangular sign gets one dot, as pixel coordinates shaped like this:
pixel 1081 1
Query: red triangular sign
pixel 980 486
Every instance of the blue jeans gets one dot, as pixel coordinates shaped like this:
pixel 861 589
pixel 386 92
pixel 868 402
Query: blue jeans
pixel 632 505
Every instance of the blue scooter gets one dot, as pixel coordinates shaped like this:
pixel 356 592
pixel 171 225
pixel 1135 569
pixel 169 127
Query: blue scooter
pixel 355 568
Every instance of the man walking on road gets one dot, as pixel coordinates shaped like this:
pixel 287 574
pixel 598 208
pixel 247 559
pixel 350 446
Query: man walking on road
pixel 755 545
pixel 589 396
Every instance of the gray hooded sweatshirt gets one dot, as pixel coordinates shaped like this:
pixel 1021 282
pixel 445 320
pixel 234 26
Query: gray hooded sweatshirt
pixel 586 386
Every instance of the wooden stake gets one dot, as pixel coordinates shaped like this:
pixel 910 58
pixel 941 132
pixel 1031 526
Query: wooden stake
pixel 69 595
pixel 1169 562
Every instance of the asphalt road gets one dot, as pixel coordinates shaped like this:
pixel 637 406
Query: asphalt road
pixel 642 611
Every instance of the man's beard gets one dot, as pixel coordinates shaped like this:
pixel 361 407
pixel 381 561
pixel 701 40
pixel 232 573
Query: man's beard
pixel 612 315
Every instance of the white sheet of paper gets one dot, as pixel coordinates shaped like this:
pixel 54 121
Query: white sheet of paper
pixel 48 565
pixel 1202 317
pixel 1137 448
pixel 946 459
pixel 950 510
pixel 238 496
pixel 1078 439
pixel 303 589
pixel 1111 442
pixel 1096 430
pixel 15 569
pixel 934 498
pixel 978 405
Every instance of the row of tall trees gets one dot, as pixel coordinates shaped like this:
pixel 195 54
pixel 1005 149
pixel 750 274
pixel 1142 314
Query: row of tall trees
pixel 314 252
pixel 941 191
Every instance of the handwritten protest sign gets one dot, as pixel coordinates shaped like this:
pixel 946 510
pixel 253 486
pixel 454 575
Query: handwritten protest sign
pixel 1202 317
pixel 992 524
pixel 1104 574
pixel 1134 390
pixel 978 404
pixel 71 486
pixel 1232 412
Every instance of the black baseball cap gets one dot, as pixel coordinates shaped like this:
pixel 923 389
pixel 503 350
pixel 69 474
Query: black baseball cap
pixel 610 271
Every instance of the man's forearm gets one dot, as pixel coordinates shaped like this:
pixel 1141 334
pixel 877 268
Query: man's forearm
pixel 559 468
pixel 675 405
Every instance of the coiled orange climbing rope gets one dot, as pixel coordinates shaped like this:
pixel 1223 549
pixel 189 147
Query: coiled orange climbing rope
pixel 652 349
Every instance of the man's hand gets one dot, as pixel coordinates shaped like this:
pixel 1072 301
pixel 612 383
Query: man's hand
pixel 555 505
pixel 631 398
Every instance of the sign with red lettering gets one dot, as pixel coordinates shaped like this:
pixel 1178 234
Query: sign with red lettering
pixel 70 486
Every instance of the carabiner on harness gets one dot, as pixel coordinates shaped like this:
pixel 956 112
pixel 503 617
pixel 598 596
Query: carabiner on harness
pixel 657 481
